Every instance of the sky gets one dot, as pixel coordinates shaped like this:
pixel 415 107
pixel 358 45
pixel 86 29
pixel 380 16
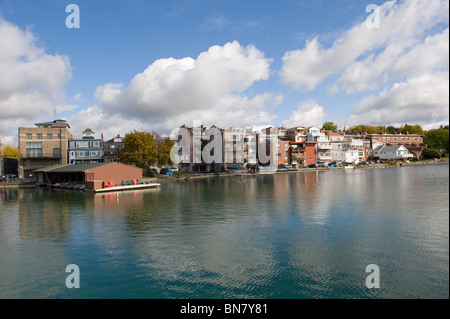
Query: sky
pixel 156 65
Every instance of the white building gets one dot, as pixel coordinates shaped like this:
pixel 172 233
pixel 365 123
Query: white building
pixel 348 149
pixel 394 152
pixel 323 144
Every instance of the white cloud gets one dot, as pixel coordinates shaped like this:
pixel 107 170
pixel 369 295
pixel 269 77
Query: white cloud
pixel 402 24
pixel 35 80
pixel 422 99
pixel 210 88
pixel 308 113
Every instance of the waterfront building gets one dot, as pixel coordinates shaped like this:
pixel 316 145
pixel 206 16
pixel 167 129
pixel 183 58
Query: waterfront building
pixel 190 144
pixel 412 142
pixel 86 150
pixel 392 152
pixel 303 154
pixel 112 149
pixel 323 144
pixel 92 176
pixel 44 145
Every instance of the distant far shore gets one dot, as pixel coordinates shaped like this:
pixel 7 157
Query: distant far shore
pixel 189 176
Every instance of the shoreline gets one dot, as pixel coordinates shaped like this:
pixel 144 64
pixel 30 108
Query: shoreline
pixel 15 185
pixel 298 170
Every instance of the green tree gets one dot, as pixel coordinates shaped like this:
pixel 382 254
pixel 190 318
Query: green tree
pixel 392 130
pixel 431 153
pixel 437 139
pixel 163 152
pixel 139 149
pixel 356 128
pixel 329 126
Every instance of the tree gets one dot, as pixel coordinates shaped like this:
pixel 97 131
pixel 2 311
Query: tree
pixel 11 152
pixel 163 152
pixel 412 129
pixel 139 149
pixel 437 139
pixel 329 126
pixel 392 130
pixel 356 128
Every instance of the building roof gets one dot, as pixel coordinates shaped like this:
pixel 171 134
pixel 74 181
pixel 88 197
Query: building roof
pixel 391 148
pixel 68 168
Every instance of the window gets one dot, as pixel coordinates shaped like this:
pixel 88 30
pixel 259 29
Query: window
pixel 29 136
pixel 50 136
pixel 56 152
pixel 39 136
pixel 34 149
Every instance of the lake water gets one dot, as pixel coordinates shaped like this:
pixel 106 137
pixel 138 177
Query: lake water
pixel 298 235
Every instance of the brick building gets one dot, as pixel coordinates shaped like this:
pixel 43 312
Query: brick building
pixel 44 145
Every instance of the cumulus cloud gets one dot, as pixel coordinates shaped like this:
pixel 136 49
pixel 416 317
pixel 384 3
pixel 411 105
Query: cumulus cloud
pixel 308 113
pixel 209 88
pixel 421 99
pixel 31 82
pixel 402 25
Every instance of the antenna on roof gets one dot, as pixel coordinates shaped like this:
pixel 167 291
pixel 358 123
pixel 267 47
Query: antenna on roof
pixel 54 113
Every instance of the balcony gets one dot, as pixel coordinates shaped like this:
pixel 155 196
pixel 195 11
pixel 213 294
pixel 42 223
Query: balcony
pixel 325 157
pixel 324 146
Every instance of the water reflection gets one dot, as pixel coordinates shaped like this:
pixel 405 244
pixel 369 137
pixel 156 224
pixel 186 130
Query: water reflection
pixel 305 235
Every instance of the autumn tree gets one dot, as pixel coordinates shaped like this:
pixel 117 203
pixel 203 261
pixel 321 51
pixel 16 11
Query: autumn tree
pixel 11 152
pixel 139 149
pixel 163 152
pixel 412 129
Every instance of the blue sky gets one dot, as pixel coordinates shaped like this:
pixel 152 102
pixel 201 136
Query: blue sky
pixel 155 65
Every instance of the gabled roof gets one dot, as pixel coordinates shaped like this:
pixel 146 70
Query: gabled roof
pixel 391 148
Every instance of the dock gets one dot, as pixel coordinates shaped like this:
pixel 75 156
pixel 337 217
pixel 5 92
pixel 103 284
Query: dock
pixel 126 187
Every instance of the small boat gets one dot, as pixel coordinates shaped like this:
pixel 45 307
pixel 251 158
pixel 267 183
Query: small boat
pixel 349 167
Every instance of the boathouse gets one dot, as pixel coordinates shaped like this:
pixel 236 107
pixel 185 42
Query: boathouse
pixel 92 176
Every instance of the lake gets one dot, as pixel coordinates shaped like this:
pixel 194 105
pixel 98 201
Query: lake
pixel 293 236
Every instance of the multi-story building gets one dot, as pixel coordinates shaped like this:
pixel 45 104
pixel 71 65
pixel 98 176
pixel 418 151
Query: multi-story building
pixel 86 150
pixel 323 144
pixel 44 145
pixel 412 142
pixel 112 149
pixel 346 148
pixel 303 154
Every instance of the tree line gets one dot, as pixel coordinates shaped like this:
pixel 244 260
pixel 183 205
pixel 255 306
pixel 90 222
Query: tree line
pixel 436 139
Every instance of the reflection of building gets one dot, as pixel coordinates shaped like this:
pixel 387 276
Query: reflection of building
pixel 44 218
pixel 42 146
pixel 86 150
pixel 112 149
